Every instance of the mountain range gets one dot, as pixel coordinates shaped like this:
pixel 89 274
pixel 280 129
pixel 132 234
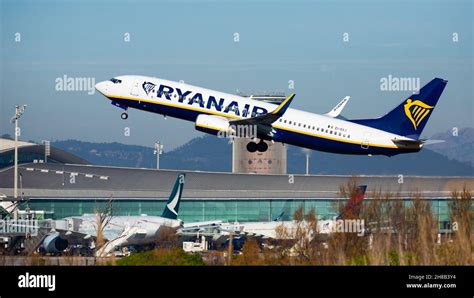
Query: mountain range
pixel 209 153
pixel 458 145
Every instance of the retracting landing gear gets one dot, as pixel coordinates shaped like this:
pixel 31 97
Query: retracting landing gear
pixel 252 147
pixel 124 115
pixel 260 147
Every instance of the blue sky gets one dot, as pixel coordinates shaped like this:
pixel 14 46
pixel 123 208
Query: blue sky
pixel 194 41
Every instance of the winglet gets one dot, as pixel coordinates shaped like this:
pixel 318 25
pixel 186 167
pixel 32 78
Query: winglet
pixel 284 105
pixel 338 108
pixel 172 206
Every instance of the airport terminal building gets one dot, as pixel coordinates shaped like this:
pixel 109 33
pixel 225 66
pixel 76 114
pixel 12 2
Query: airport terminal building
pixel 66 185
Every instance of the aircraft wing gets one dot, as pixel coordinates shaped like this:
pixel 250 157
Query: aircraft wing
pixel 269 118
pixel 73 236
pixel 76 236
pixel 202 224
pixel 215 228
pixel 199 227
pixel 253 235
pixel 338 108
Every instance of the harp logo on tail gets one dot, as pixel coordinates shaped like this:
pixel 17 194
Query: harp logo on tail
pixel 416 111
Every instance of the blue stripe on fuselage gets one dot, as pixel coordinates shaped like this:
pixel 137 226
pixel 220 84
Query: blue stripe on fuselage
pixel 171 111
pixel 331 146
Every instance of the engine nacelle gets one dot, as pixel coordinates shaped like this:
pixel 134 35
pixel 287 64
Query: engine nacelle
pixel 212 124
pixel 53 243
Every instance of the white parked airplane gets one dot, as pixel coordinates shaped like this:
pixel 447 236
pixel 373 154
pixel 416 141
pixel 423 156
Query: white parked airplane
pixel 216 112
pixel 282 230
pixel 119 230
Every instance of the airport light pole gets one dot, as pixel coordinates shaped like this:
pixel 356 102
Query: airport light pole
pixel 19 110
pixel 47 150
pixel 307 164
pixel 158 151
pixel 307 152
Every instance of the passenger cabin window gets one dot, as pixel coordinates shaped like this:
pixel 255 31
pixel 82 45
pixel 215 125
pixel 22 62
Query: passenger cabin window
pixel 115 81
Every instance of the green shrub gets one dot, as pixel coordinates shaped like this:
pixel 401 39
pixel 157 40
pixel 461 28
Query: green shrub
pixel 162 257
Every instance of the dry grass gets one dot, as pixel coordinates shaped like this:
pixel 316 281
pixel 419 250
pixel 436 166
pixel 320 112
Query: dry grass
pixel 397 235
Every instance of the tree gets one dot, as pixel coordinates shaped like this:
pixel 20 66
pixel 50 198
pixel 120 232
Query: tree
pixel 251 254
pixel 103 217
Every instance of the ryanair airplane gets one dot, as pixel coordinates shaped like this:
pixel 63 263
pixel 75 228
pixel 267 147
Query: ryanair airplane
pixel 221 113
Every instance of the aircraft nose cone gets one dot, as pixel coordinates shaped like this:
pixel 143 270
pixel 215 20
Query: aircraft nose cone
pixel 101 87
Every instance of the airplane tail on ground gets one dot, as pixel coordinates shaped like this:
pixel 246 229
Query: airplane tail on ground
pixel 172 206
pixel 352 209
pixel 410 117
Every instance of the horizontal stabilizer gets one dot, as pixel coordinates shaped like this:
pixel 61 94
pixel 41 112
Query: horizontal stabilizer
pixel 408 143
pixel 431 142
pixel 415 143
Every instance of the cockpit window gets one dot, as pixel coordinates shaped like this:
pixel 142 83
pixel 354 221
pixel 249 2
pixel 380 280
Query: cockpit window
pixel 115 81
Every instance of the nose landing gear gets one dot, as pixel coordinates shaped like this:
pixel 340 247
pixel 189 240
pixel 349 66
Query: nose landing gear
pixel 124 115
pixel 260 147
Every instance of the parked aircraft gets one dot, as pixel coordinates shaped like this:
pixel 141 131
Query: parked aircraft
pixel 117 230
pixel 278 229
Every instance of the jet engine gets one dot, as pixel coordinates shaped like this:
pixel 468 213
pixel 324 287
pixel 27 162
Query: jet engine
pixel 212 124
pixel 53 243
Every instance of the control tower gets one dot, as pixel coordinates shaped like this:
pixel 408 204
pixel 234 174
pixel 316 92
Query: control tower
pixel 272 161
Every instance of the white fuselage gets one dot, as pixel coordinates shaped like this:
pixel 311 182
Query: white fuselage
pixel 295 127
pixel 283 229
pixel 134 230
